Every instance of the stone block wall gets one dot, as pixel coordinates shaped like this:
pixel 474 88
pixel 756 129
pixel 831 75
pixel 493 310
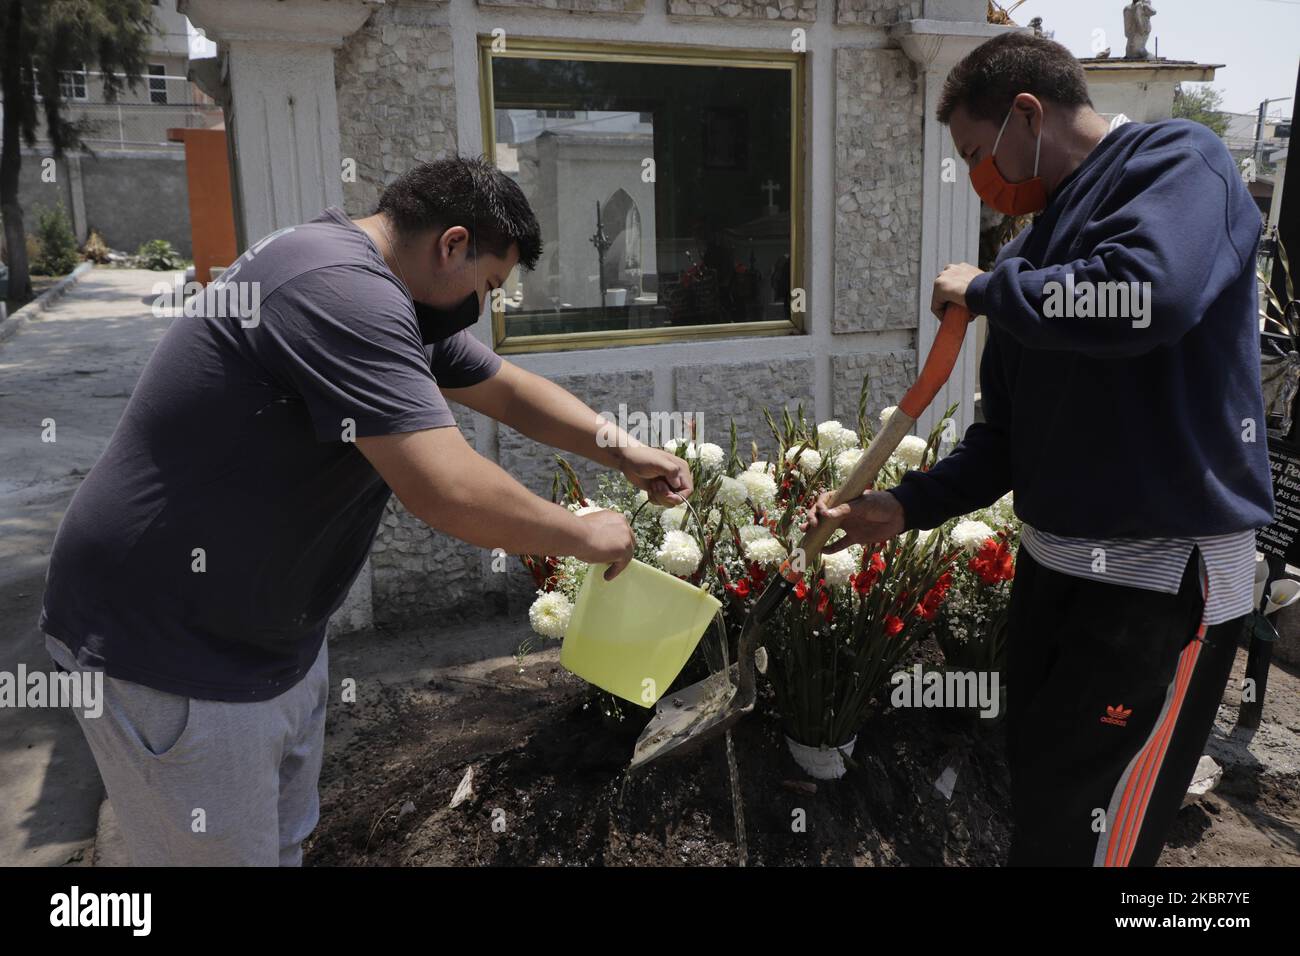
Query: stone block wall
pixel 396 96
pixel 878 144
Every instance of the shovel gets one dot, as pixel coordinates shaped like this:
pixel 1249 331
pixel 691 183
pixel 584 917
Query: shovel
pixel 705 710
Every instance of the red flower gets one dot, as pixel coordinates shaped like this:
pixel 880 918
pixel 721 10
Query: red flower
pixel 800 591
pixel 824 606
pixel 740 588
pixel 757 573
pixel 929 606
pixel 893 625
pixel 993 562
pixel 872 569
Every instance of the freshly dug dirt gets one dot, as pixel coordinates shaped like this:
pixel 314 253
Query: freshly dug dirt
pixel 550 788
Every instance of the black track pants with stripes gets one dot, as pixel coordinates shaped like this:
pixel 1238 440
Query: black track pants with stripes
pixel 1111 696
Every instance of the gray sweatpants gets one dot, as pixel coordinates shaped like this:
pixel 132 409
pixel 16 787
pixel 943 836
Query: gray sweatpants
pixel 208 783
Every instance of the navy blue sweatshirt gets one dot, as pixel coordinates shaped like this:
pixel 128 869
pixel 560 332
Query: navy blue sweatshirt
pixel 1121 426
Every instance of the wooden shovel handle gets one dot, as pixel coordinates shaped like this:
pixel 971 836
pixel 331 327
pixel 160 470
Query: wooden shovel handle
pixel 938 367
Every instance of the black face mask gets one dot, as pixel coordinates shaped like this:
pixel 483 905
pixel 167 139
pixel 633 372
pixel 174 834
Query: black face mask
pixel 437 324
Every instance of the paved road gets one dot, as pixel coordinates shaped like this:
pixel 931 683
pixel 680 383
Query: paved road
pixel 76 364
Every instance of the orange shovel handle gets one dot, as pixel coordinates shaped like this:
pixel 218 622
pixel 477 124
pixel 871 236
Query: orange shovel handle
pixel 939 363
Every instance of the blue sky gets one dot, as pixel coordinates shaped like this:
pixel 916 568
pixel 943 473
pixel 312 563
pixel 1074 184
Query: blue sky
pixel 1257 40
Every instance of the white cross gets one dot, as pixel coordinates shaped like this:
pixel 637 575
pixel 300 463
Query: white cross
pixel 769 187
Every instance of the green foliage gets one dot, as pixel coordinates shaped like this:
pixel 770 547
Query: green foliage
pixel 158 254
pixel 58 245
pixel 1202 105
pixel 45 38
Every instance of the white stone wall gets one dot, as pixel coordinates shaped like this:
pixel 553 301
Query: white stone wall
pixel 408 89
pixel 878 129
pixel 396 96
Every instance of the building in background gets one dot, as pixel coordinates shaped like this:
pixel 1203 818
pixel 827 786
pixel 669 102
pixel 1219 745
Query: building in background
pixel 130 154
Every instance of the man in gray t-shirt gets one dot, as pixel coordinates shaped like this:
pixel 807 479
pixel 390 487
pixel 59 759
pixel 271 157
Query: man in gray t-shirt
pixel 203 555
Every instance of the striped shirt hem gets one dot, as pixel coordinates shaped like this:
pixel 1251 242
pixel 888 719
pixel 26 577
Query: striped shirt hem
pixel 1156 564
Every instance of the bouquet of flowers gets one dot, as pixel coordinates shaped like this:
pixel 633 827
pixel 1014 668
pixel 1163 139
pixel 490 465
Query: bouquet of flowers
pixel 855 612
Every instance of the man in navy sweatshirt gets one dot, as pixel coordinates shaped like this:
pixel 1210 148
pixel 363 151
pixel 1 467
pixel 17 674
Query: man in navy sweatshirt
pixel 1122 399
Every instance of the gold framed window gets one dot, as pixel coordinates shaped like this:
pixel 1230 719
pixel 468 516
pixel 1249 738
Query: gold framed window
pixel 667 182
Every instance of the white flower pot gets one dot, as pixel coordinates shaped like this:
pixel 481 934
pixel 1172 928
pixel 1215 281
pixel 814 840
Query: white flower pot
pixel 821 763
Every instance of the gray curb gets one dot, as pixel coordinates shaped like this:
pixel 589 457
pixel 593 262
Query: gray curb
pixel 10 326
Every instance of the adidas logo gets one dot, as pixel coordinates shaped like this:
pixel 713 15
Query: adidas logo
pixel 1117 715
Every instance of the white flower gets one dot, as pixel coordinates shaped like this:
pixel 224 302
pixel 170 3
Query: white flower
pixel 587 510
pixel 809 459
pixel 752 532
pixel 847 460
pixel 922 536
pixel 762 467
pixel 732 493
pixel 672 445
pixel 885 413
pixel 711 455
pixel 839 567
pixel 833 437
pixel 911 450
pixel 550 614
pixel 761 488
pixel 671 518
pixel 679 554
pixel 764 550
pixel 971 534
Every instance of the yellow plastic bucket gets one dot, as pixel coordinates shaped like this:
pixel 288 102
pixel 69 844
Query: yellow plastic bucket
pixel 633 635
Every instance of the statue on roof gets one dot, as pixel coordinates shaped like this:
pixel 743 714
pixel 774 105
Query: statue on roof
pixel 1137 28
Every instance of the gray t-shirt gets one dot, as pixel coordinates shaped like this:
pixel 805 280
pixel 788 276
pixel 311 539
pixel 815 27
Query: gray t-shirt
pixel 230 514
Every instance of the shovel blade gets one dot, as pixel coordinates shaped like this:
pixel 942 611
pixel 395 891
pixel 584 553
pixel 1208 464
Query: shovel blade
pixel 689 717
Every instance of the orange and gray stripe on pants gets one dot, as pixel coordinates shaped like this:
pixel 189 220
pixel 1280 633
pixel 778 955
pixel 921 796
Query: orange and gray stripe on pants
pixel 1128 802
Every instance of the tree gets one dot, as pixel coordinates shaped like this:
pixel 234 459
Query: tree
pixel 40 40
pixel 1201 104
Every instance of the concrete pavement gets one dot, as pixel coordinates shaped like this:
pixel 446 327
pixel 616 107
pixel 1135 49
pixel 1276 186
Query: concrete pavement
pixel 75 363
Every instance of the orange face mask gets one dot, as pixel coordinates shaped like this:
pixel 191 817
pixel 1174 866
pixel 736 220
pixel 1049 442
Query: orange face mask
pixel 1010 199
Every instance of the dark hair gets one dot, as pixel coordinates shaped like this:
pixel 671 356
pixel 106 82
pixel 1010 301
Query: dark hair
pixel 992 75
pixel 470 192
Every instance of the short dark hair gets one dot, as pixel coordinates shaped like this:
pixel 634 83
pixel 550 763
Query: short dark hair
pixel 470 192
pixel 990 77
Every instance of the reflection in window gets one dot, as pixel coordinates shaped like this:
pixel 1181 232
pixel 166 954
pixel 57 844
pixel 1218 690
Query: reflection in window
pixel 663 191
